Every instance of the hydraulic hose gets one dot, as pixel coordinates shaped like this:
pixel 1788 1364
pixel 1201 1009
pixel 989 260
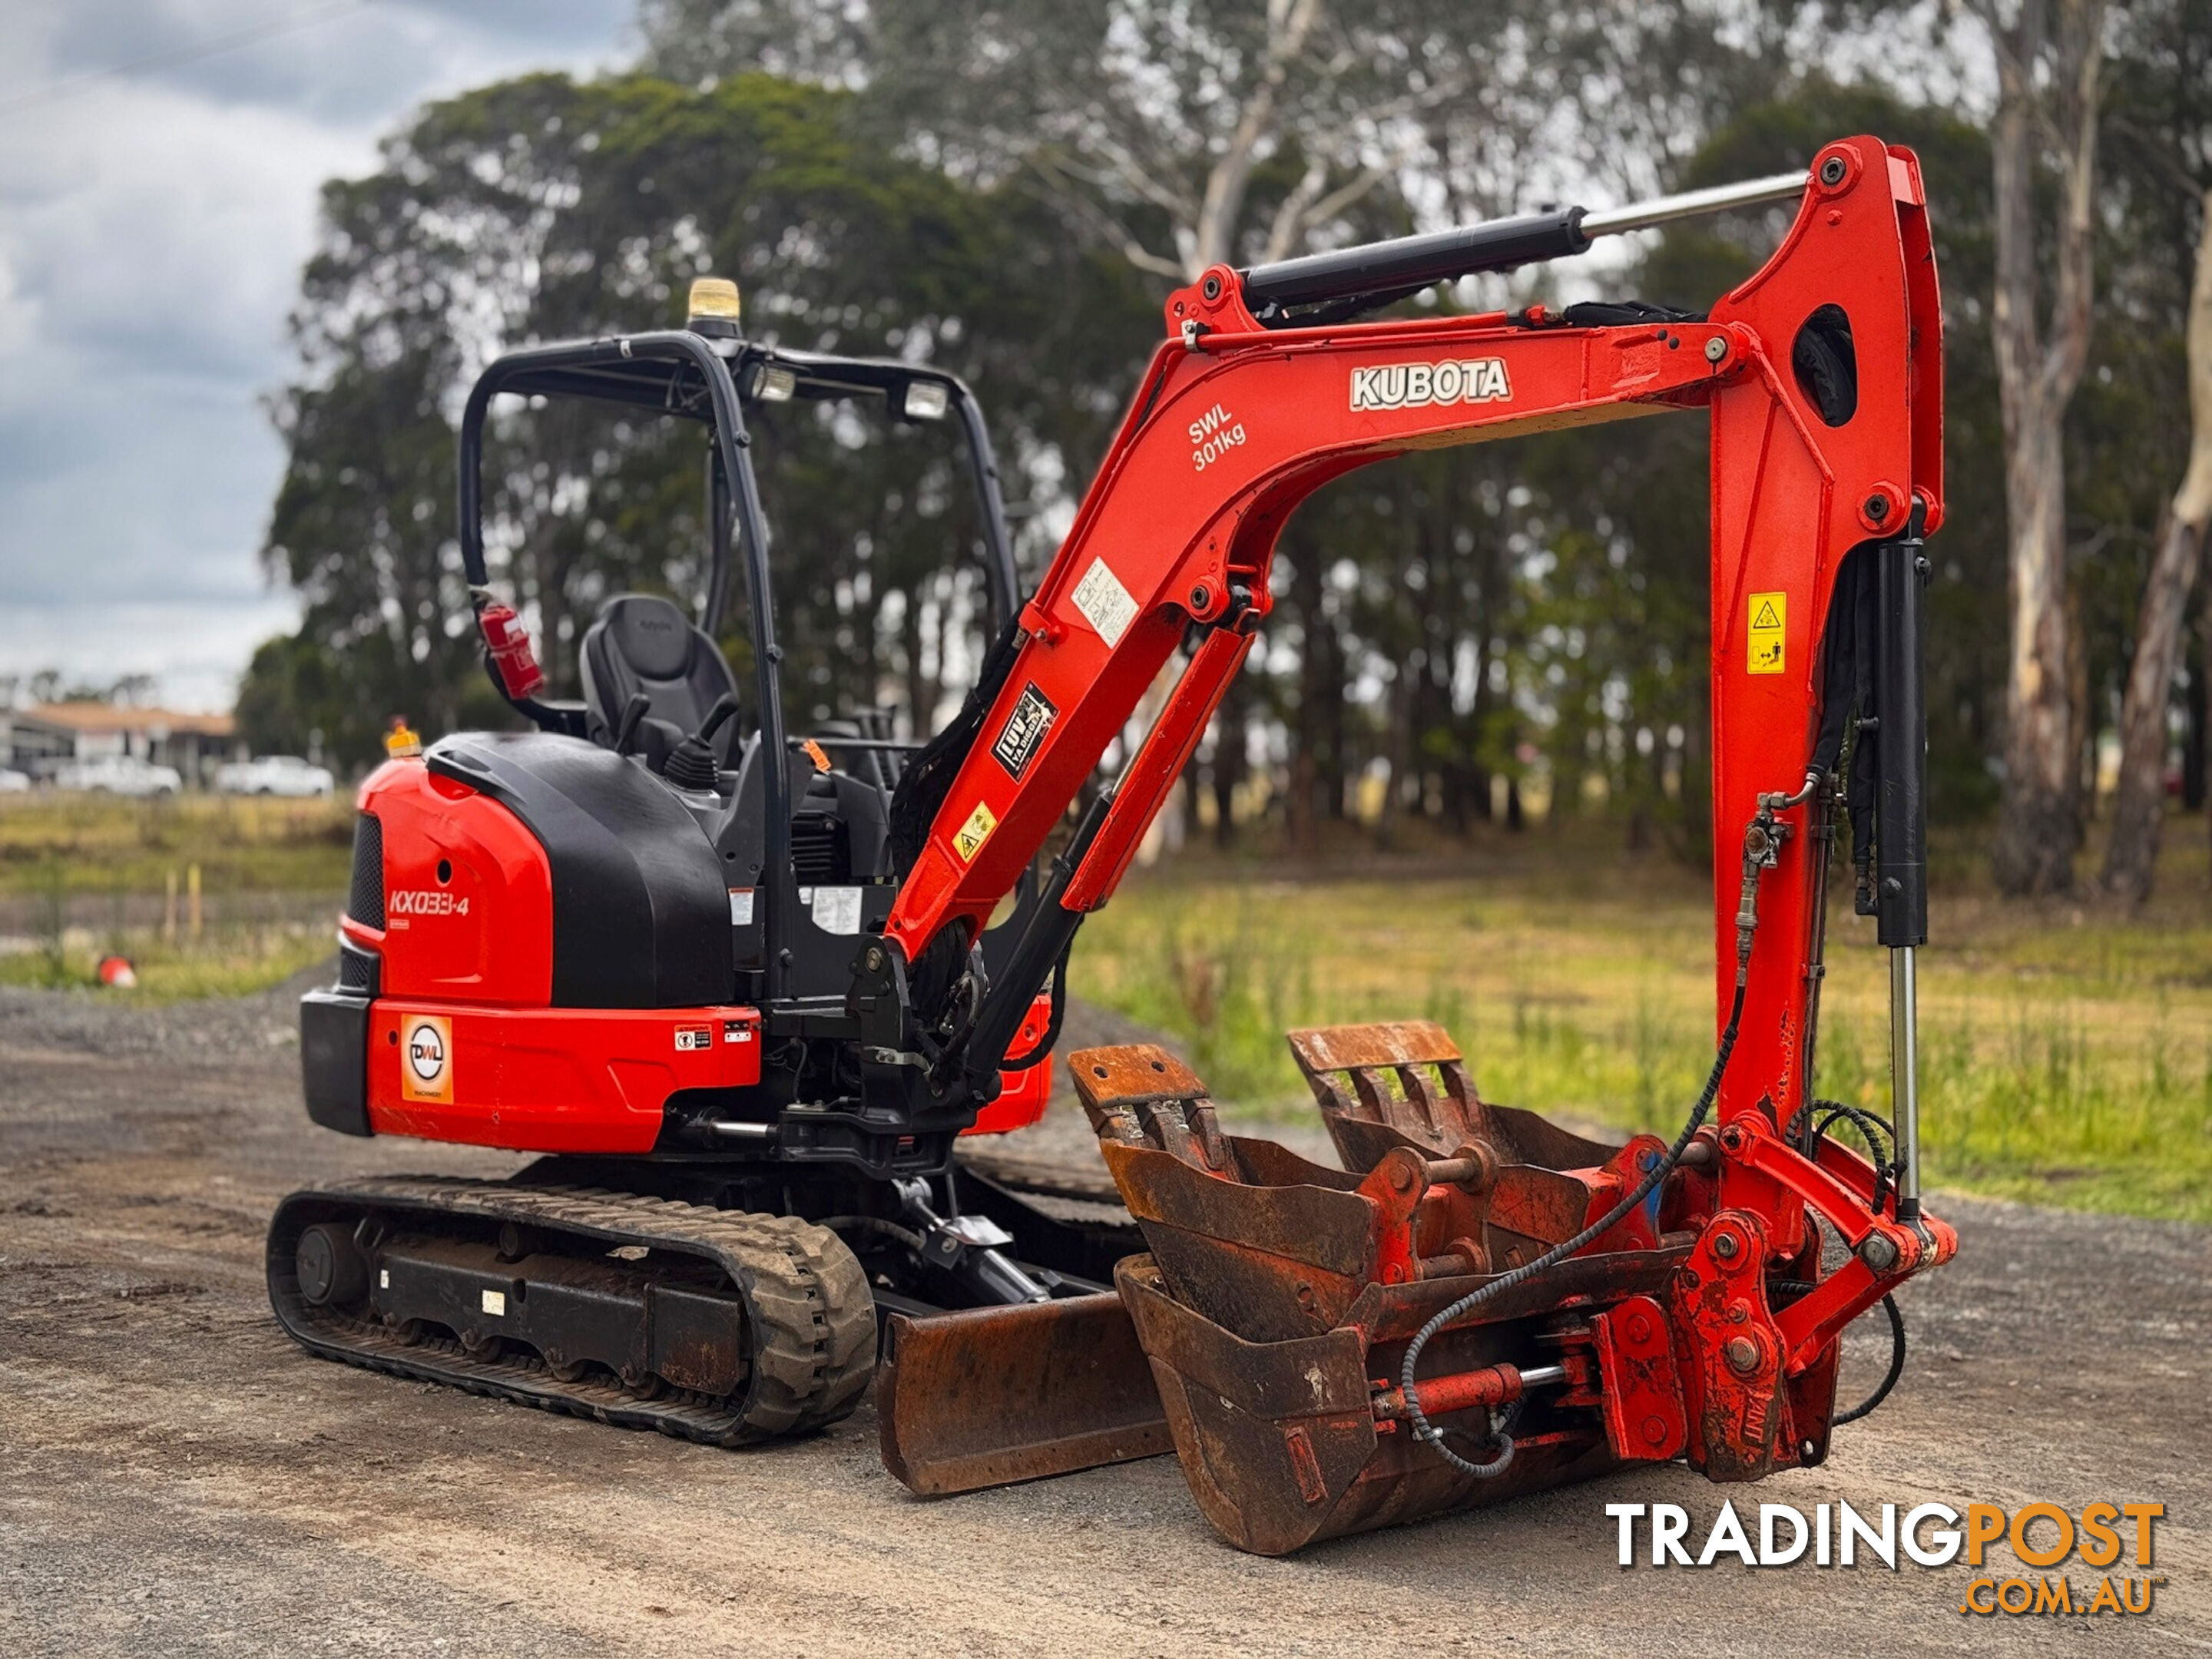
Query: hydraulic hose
pixel 1043 1046
pixel 1762 841
pixel 1559 1252
pixel 1896 1366
pixel 1896 1354
pixel 875 1224
pixel 1873 1128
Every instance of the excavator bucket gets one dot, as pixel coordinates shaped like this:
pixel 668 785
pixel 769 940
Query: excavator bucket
pixel 1278 1298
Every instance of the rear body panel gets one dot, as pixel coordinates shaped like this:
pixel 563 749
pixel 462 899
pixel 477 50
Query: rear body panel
pixel 462 1026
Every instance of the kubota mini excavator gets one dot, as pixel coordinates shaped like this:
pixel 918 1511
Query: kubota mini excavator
pixel 745 996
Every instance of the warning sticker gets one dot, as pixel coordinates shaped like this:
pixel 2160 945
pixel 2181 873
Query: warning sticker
pixel 1770 616
pixel 974 833
pixel 837 909
pixel 426 1058
pixel 695 1037
pixel 495 1303
pixel 1104 603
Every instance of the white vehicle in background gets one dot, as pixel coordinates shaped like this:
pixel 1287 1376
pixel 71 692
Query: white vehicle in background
pixel 13 782
pixel 118 774
pixel 274 774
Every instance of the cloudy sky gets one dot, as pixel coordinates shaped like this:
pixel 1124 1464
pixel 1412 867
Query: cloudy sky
pixel 157 199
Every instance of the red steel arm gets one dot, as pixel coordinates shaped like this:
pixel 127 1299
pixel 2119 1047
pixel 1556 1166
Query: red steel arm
pixel 1235 425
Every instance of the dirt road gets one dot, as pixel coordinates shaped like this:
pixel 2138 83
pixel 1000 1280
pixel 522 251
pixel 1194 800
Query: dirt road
pixel 176 1479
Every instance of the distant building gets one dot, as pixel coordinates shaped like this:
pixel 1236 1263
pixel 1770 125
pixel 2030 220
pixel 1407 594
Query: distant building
pixel 37 740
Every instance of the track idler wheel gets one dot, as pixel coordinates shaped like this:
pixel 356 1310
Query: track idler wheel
pixel 333 1272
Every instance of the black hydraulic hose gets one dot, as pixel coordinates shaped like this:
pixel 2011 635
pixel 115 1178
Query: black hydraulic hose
pixel 875 1224
pixel 1501 1432
pixel 1896 1354
pixel 1896 1366
pixel 1037 1055
pixel 1559 1252
pixel 1880 1138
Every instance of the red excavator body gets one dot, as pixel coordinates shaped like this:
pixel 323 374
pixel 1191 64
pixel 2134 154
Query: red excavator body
pixel 741 986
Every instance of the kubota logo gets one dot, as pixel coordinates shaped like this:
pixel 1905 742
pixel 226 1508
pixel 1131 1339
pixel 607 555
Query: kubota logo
pixel 1409 385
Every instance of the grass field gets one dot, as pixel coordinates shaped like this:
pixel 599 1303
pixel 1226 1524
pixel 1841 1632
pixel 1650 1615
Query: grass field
pixel 2066 1049
pixel 2066 1054
pixel 83 876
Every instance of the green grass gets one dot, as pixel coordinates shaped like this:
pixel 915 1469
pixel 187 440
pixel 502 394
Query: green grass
pixel 83 876
pixel 230 961
pixel 74 844
pixel 2066 1050
pixel 2066 1056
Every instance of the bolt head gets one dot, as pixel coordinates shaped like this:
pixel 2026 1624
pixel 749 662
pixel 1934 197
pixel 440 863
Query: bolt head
pixel 1725 1246
pixel 1210 288
pixel 1833 171
pixel 1877 507
pixel 1655 1430
pixel 1741 1354
pixel 1716 349
pixel 1878 1252
pixel 1200 597
pixel 1640 1329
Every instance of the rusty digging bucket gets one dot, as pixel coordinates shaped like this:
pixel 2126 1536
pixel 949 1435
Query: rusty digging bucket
pixel 1278 1298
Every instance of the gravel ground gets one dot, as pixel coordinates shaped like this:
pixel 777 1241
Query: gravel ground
pixel 175 1477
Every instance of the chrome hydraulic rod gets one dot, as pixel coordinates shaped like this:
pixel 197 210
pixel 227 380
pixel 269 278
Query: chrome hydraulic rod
pixel 1904 1078
pixel 1692 203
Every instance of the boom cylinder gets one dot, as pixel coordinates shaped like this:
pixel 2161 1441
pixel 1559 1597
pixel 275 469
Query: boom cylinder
pixel 1407 263
pixel 1901 832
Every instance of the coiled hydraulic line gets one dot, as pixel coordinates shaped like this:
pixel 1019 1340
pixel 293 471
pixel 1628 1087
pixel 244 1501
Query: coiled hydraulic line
pixel 1762 838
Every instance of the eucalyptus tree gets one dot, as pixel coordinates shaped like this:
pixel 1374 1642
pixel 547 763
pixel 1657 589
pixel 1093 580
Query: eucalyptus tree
pixel 2160 133
pixel 543 208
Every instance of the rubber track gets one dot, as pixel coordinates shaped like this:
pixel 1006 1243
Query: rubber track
pixel 812 1322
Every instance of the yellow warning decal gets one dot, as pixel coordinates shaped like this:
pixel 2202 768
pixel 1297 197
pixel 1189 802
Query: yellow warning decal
pixel 974 833
pixel 1770 616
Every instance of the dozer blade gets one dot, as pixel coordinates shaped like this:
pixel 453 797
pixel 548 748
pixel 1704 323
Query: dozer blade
pixel 986 1396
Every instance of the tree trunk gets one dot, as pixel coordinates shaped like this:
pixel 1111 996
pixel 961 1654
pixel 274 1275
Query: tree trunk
pixel 2192 740
pixel 1398 753
pixel 1213 237
pixel 2131 856
pixel 1230 721
pixel 2040 815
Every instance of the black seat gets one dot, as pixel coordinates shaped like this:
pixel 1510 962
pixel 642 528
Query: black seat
pixel 642 643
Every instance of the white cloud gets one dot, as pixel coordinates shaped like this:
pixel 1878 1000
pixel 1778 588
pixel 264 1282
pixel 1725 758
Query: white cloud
pixel 152 228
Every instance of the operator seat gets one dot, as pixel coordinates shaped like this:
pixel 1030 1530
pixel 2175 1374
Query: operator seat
pixel 640 642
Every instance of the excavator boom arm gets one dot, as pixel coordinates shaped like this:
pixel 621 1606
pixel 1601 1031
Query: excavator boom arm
pixel 1814 450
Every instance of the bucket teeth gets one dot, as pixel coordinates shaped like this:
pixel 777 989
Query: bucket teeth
pixel 1399 1083
pixel 1142 1096
pixel 1404 1083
